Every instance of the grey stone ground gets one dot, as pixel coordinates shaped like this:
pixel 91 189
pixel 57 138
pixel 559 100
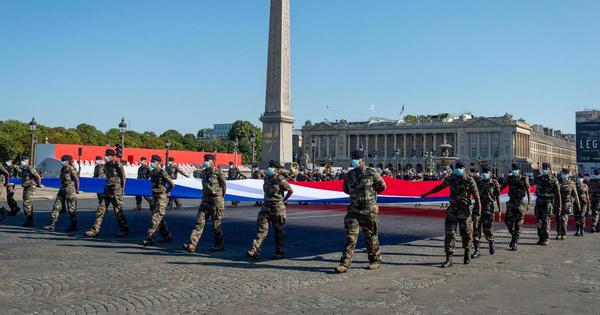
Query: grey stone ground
pixel 69 274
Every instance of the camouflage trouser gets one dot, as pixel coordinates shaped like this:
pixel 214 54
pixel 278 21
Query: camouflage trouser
pixel 353 223
pixel 159 202
pixel 138 201
pixel 515 216
pixel 66 197
pixel 462 218
pixel 28 201
pixel 213 208
pixel 580 213
pixel 116 199
pixel 483 223
pixel 10 197
pixel 562 220
pixel 595 207
pixel 174 200
pixel 543 211
pixel 275 215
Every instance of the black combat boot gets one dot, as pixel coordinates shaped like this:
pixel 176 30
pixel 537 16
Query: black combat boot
pixel 28 222
pixel 581 230
pixel 467 259
pixel 475 252
pixel 492 247
pixel 577 230
pixel 50 227
pixel 515 242
pixel 448 262
pixel 72 227
pixel 512 243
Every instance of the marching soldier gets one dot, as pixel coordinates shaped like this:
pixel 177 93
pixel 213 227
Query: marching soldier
pixel 4 180
pixel 547 189
pixel 462 189
pixel 234 174
pixel 594 185
pixel 257 173
pixel 143 173
pixel 161 187
pixel 99 173
pixel 584 205
pixel 13 171
pixel 214 188
pixel 113 194
pixel 30 179
pixel 489 193
pixel 173 170
pixel 568 196
pixel 67 195
pixel 362 184
pixel 277 191
pixel 518 188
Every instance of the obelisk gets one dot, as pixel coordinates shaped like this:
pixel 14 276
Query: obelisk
pixel 277 119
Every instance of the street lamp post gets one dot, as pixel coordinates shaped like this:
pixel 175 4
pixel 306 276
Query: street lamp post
pixel 253 141
pixel 32 127
pixel 235 150
pixel 122 130
pixel 397 156
pixel 314 146
pixel 167 147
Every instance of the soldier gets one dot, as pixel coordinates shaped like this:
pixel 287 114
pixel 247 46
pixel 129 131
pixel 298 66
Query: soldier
pixel 30 179
pixel 462 189
pixel 489 193
pixel 568 196
pixel 518 188
pixel 99 173
pixel 67 195
pixel 594 185
pixel 173 169
pixel 233 174
pixel 4 180
pixel 257 173
pixel 362 184
pixel 584 205
pixel 272 211
pixel 143 173
pixel 160 191
pixel 113 194
pixel 13 171
pixel 214 188
pixel 547 189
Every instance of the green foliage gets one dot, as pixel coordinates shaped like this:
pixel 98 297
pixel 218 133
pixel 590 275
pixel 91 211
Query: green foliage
pixel 243 130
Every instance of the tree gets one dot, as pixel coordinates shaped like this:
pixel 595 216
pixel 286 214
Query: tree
pixel 243 130
pixel 9 147
pixel 90 135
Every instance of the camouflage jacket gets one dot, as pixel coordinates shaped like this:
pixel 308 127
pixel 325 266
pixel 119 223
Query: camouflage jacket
pixel 99 171
pixel 233 173
pixel 159 179
pixel 594 186
pixel 362 186
pixel 28 175
pixel 113 171
pixel 461 190
pixel 258 174
pixel 2 171
pixel 518 186
pixel 489 190
pixel 213 182
pixel 144 172
pixel 583 192
pixel 546 186
pixel 568 193
pixel 274 187
pixel 67 177
pixel 173 170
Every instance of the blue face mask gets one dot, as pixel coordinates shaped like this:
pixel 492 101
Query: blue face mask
pixel 270 171
pixel 545 172
pixel 515 173
pixel 564 176
pixel 485 176
pixel 152 164
pixel 107 158
pixel 355 163
pixel 206 164
pixel 459 171
pixel 23 163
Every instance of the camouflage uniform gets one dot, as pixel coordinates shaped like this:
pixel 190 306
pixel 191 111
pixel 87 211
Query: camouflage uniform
pixel 363 213
pixel 159 179
pixel 99 173
pixel 10 190
pixel 594 185
pixel 568 195
pixel 66 196
pixel 113 194
pixel 273 212
pixel 173 170
pixel 581 212
pixel 234 174
pixel 518 186
pixel 3 180
pixel 489 191
pixel 546 186
pixel 143 173
pixel 459 211
pixel 28 175
pixel 212 206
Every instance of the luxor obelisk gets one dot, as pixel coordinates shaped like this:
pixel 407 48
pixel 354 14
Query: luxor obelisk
pixel 277 119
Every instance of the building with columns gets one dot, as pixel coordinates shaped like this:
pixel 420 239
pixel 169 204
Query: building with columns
pixel 495 141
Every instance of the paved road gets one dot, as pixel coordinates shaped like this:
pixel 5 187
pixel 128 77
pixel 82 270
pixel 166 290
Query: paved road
pixel 69 274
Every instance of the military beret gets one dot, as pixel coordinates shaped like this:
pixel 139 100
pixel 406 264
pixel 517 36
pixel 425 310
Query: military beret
pixel 171 159
pixel 143 158
pixel 275 164
pixel 66 158
pixel 110 152
pixel 357 154
pixel 208 157
pixel 156 158
pixel 459 164
pixel 515 166
pixel 546 165
pixel 485 169
pixel 25 157
pixel 98 157
pixel 597 171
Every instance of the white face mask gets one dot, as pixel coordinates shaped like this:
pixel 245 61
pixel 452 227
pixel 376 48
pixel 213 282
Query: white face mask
pixel 98 161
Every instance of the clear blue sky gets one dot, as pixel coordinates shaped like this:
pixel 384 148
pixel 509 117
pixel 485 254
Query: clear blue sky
pixel 189 64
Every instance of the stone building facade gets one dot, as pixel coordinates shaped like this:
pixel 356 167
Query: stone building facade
pixel 495 141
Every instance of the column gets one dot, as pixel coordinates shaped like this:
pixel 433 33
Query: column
pixel 385 152
pixel 319 147
pixel 377 145
pixel 478 145
pixel 367 143
pixel 404 154
pixel 328 147
pixel 414 145
pixel 357 141
pixel 424 143
pixel 434 142
pixel 348 139
pixel 489 146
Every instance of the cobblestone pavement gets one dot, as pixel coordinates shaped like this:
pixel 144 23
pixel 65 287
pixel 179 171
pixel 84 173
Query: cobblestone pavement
pixel 58 273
